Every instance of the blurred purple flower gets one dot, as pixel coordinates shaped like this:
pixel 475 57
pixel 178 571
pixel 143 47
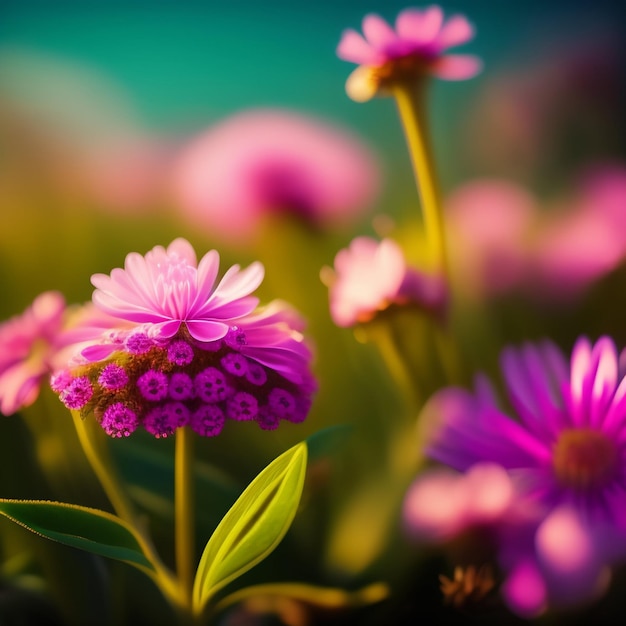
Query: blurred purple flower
pixel 565 454
pixel 28 345
pixel 369 276
pixel 164 347
pixel 268 161
pixel 416 48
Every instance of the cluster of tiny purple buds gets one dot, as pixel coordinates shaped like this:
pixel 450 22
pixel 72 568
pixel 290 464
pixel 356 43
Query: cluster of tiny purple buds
pixel 164 385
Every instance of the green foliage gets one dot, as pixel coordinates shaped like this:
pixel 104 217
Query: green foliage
pixel 253 526
pixel 89 529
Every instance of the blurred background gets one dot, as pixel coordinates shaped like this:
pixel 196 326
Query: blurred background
pixel 98 99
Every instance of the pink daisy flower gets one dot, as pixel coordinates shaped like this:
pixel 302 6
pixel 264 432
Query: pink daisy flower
pixel 28 345
pixel 565 455
pixel 263 162
pixel 171 348
pixel 370 276
pixel 415 48
pixel 168 287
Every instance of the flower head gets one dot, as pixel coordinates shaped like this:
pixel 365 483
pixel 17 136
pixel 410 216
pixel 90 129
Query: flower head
pixel 269 161
pixel 180 351
pixel 370 276
pixel 565 457
pixel 168 288
pixel 416 48
pixel 28 345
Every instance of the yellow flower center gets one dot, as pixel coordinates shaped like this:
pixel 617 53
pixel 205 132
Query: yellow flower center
pixel 584 458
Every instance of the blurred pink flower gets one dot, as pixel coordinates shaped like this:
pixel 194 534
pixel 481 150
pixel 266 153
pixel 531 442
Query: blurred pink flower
pixel 28 345
pixel 370 276
pixel 441 503
pixel 267 161
pixel 489 224
pixel 414 49
pixel 501 240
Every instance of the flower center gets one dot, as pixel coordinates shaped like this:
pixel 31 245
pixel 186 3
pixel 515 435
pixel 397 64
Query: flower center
pixel 584 458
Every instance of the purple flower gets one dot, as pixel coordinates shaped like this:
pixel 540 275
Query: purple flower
pixel 146 359
pixel 370 276
pixel 565 455
pixel 168 288
pixel 263 162
pixel 414 49
pixel 28 345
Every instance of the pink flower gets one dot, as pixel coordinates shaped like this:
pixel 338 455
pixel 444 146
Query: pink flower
pixel 263 162
pixel 165 347
pixel 28 344
pixel 414 49
pixel 168 288
pixel 370 276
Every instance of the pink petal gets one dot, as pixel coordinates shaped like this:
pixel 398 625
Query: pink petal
pixel 377 32
pixel 352 47
pixel 207 330
pixel 456 31
pixel 409 23
pixel 524 589
pixel 457 67
pixel 420 27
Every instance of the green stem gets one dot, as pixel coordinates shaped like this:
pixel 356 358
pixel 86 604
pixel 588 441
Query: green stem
pixel 410 100
pixel 97 455
pixel 184 513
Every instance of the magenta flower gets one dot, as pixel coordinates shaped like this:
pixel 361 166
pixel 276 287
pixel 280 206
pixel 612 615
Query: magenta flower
pixel 370 276
pixel 167 288
pixel 416 48
pixel 171 349
pixel 565 454
pixel 28 345
pixel 263 162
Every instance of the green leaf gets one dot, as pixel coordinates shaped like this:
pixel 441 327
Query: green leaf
pixel 253 526
pixel 88 529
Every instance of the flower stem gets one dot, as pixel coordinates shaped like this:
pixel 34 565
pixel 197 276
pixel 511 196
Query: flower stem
pixel 184 513
pixel 410 100
pixel 97 455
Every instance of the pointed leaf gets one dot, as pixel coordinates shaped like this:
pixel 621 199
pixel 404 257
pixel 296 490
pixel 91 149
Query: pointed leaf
pixel 88 529
pixel 324 442
pixel 253 526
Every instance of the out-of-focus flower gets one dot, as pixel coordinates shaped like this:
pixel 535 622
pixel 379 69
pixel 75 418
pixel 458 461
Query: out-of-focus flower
pixel 268 161
pixel 173 348
pixel 442 502
pixel 502 241
pixel 575 248
pixel 370 276
pixel 489 225
pixel 28 345
pixel 415 49
pixel 564 454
